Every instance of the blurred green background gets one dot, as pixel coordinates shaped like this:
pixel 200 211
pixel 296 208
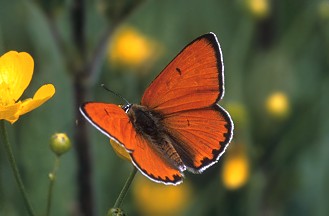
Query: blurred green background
pixel 276 57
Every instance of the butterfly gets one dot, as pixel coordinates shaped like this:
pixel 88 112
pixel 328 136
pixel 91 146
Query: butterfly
pixel 178 124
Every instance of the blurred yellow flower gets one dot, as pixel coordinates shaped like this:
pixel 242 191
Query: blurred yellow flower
pixel 258 8
pixel 131 48
pixel 238 113
pixel 235 172
pixel 277 104
pixel 120 150
pixel 16 70
pixel 324 9
pixel 158 199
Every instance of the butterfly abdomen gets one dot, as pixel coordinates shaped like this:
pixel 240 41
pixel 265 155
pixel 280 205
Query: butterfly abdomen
pixel 148 125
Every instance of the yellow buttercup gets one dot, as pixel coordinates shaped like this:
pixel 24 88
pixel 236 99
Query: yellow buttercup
pixel 16 70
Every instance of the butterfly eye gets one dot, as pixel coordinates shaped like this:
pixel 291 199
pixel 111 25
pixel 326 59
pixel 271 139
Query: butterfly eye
pixel 126 107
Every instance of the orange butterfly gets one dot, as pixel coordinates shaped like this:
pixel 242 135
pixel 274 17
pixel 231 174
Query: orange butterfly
pixel 178 126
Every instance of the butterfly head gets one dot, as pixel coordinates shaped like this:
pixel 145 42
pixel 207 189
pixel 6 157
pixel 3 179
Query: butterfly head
pixel 126 107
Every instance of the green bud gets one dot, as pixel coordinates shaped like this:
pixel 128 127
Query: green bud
pixel 115 212
pixel 60 143
pixel 51 176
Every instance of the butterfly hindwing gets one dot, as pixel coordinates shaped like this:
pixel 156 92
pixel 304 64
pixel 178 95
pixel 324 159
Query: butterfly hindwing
pixel 113 121
pixel 201 136
pixel 153 165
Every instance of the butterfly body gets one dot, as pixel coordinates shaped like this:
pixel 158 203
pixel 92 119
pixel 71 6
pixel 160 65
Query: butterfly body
pixel 148 124
pixel 145 120
pixel 178 125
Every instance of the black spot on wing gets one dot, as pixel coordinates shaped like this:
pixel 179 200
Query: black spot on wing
pixel 107 113
pixel 179 71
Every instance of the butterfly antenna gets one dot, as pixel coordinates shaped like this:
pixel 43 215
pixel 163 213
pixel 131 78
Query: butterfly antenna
pixel 107 89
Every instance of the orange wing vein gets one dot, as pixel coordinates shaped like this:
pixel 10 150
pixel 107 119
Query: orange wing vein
pixel 194 79
pixel 201 135
pixel 152 165
pixel 112 120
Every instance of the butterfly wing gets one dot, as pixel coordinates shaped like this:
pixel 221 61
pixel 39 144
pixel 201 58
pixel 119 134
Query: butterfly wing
pixel 112 121
pixel 194 79
pixel 153 165
pixel 201 135
pixel 186 93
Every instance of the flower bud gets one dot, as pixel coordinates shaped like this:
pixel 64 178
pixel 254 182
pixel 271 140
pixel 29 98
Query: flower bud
pixel 51 176
pixel 116 212
pixel 60 143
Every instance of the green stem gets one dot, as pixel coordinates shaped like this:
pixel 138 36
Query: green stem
pixel 124 191
pixel 52 178
pixel 9 152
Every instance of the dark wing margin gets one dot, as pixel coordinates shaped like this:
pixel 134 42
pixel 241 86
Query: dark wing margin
pixel 153 165
pixel 193 79
pixel 200 136
pixel 112 121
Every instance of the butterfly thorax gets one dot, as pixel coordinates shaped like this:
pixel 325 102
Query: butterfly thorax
pixel 149 125
pixel 145 121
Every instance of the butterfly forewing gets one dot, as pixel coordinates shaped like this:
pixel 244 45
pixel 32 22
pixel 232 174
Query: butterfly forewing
pixel 114 122
pixel 192 80
pixel 111 120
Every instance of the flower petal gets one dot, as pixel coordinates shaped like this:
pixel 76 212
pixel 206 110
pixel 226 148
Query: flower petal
pixel 9 113
pixel 16 70
pixel 120 151
pixel 43 94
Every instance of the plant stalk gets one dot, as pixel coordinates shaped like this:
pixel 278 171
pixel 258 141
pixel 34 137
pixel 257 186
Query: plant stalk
pixel 52 179
pixel 116 208
pixel 12 161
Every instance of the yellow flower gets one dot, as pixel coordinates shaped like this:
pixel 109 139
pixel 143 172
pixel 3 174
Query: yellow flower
pixel 119 150
pixel 258 8
pixel 131 48
pixel 235 172
pixel 16 70
pixel 323 10
pixel 277 104
pixel 158 199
